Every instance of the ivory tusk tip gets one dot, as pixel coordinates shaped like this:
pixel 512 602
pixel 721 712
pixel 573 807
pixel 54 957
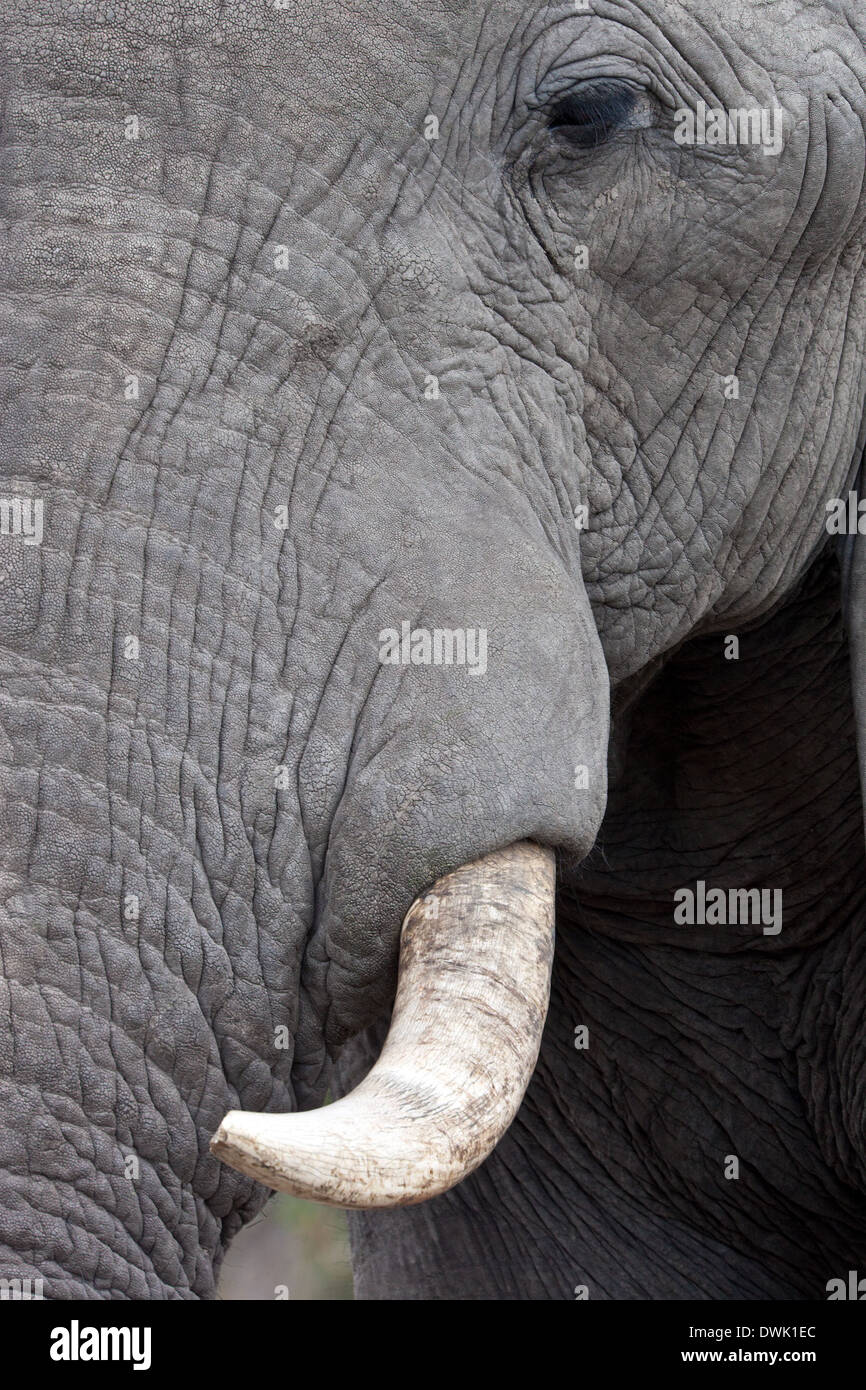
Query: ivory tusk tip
pixel 245 1143
pixel 225 1133
pixel 230 1142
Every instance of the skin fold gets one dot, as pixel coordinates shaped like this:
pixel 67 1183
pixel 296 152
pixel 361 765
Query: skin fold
pixel 319 320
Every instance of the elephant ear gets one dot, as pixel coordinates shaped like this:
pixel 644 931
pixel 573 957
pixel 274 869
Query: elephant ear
pixel 854 607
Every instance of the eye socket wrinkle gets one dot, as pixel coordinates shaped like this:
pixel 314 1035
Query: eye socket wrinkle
pixel 589 116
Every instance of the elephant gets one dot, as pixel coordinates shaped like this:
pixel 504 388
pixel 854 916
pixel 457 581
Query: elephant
pixel 433 645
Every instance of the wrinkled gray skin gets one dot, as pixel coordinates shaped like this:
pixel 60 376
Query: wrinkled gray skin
pixel 304 386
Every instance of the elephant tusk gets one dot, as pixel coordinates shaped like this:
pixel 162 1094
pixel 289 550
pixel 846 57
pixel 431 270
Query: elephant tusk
pixel 472 996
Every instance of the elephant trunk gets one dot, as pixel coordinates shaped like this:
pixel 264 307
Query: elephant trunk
pixel 472 996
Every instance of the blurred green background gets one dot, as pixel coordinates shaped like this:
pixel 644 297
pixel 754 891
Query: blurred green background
pixel 298 1244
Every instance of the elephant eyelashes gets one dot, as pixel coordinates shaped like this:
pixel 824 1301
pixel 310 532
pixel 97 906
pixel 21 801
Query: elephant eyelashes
pixel 588 118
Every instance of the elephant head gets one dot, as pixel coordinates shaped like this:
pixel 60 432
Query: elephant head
pixel 393 387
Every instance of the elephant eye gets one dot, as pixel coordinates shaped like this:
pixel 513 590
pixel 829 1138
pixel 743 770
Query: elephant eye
pixel 588 117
